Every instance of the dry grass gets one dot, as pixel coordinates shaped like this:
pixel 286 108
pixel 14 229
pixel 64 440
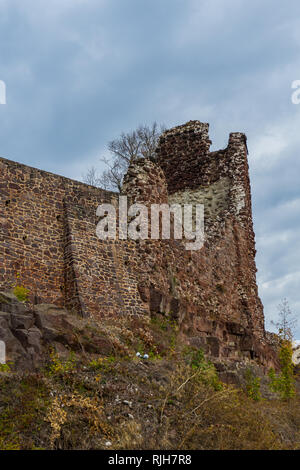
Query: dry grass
pixel 172 401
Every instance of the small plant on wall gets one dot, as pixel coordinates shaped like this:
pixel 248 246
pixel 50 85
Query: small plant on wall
pixel 20 291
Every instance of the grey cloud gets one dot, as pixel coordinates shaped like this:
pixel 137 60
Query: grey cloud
pixel 79 72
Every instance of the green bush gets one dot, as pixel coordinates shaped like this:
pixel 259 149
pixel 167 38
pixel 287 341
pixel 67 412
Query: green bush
pixel 59 366
pixel 21 293
pixel 207 371
pixel 252 385
pixel 284 382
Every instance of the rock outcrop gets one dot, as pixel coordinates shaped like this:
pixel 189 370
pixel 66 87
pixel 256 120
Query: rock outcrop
pixel 30 333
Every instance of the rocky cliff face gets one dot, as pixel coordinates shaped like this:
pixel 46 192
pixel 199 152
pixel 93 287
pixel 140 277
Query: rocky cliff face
pixel 31 332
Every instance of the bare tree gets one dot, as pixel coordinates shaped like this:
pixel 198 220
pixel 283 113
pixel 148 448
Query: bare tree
pixel 140 143
pixel 287 321
pixel 91 177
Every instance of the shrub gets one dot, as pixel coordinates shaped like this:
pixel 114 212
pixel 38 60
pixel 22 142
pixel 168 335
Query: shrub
pixel 4 368
pixel 284 382
pixel 60 366
pixel 207 371
pixel 200 417
pixel 72 412
pixel 102 363
pixel 21 293
pixel 252 385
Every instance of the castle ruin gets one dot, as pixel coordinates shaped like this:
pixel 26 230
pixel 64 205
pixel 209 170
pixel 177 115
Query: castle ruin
pixel 48 238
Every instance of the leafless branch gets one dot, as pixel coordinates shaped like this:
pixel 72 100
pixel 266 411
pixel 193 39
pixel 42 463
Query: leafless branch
pixel 140 143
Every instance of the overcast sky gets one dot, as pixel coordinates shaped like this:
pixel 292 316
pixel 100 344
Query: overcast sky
pixel 79 72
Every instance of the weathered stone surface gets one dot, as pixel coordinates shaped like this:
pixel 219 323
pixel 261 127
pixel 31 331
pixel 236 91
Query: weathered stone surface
pixel 28 337
pixel 48 317
pixel 22 321
pixel 10 304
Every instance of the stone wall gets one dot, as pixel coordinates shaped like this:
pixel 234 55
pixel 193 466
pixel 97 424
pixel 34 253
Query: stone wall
pixel 48 239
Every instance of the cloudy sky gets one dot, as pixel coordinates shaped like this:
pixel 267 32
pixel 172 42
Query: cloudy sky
pixel 79 72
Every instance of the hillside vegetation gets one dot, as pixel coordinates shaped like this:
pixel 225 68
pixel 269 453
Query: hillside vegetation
pixel 81 399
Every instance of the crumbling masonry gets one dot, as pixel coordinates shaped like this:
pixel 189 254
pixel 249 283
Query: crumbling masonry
pixel 48 236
